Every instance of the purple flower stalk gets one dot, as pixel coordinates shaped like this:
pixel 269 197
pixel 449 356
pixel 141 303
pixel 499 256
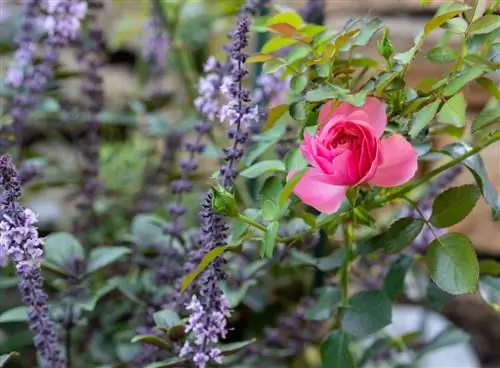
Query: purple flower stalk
pixel 209 307
pixel 62 24
pixel 314 12
pixel 157 41
pixel 207 102
pixel 19 240
pixel 63 20
pixel 23 57
pixel 92 90
pixel 237 110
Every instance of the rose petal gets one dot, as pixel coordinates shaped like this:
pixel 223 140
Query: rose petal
pixel 373 109
pixel 313 189
pixel 399 162
pixel 326 113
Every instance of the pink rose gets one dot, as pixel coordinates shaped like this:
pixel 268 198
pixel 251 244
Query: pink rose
pixel 348 150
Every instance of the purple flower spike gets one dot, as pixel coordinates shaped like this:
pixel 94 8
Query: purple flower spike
pixel 208 306
pixel 157 41
pixel 62 24
pixel 19 240
pixel 93 94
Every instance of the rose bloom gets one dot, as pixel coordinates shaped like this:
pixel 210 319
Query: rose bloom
pixel 347 150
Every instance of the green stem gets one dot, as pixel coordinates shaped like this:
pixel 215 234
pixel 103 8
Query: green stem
pixel 249 221
pixel 186 70
pixel 415 183
pixel 344 275
pixel 422 215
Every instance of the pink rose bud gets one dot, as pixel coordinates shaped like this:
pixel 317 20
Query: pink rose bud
pixel 348 150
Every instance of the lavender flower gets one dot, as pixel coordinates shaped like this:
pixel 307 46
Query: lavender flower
pixel 23 57
pixel 63 20
pixel 62 24
pixel 237 110
pixel 314 12
pixel 167 270
pixel 270 90
pixel 207 102
pixel 19 239
pixel 157 41
pixel 177 210
pixel 91 56
pixel 209 307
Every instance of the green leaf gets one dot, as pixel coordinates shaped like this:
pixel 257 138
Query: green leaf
pixel 89 302
pixel 273 115
pixel 291 18
pixel 270 210
pixel 260 58
pixel 442 55
pixel 6 357
pixel 454 204
pixel 335 352
pixel 368 31
pixel 456 25
pixel 263 167
pixel 17 314
pixel 104 256
pixel 236 296
pixel 328 92
pixel 453 111
pixel 463 79
pixel 440 19
pixel 170 362
pixel 294 160
pixel 486 24
pixel 152 340
pixel 269 239
pixel 476 167
pixel 486 118
pixel 298 53
pixel 234 347
pixel 328 263
pixel 489 267
pixel 298 83
pixel 146 230
pixel 400 234
pixel 277 43
pixel 450 336
pixel 61 247
pixel 207 259
pixel 272 66
pixel 423 118
pixel 394 281
pixel 489 86
pixel 326 306
pixel 8 282
pixel 298 111
pixel 283 29
pixel 452 264
pixel 166 318
pixel 290 185
pixel 271 189
pixel 436 297
pixel 368 312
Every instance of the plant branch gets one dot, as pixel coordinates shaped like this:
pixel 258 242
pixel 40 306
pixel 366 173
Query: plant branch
pixel 417 182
